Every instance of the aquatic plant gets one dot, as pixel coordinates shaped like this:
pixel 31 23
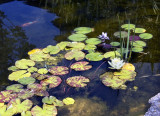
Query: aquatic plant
pixel 68 101
pixel 81 66
pixel 104 36
pixel 116 63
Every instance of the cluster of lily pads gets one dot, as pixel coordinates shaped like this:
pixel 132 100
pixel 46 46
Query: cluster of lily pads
pixel 40 73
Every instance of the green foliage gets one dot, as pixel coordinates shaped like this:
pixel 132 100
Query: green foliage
pixel 139 30
pixel 121 34
pixel 51 49
pixel 24 63
pixel 25 94
pixel 125 26
pixel 93 41
pixel 13 68
pixel 62 45
pixel 26 80
pixel 146 36
pixel 39 56
pixel 115 43
pixel 83 30
pixel 137 49
pixel 32 69
pixel 52 100
pixel 81 66
pixel 139 43
pixel 15 87
pixel 90 47
pixel 42 71
pixel 112 54
pixel 77 37
pixel 68 101
pixel 76 45
pixel 94 56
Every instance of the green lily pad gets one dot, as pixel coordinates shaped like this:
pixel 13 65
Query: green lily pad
pixel 42 71
pixel 18 75
pixel 78 55
pixel 94 56
pixel 62 45
pixel 115 44
pixel 146 36
pixel 124 34
pixel 27 113
pixel 32 69
pixel 39 77
pixel 6 111
pixel 20 107
pixel 52 100
pixel 26 80
pixel 15 87
pixel 48 110
pixel 13 68
pixel 77 81
pixel 90 47
pixel 76 45
pixel 126 26
pixel 137 49
pixel 77 37
pixel 68 101
pixel 24 63
pixel 139 43
pixel 93 41
pixel 139 30
pixel 6 96
pixel 39 56
pixel 51 49
pixel 81 66
pixel 83 30
pixel 52 81
pixel 25 94
pixel 112 54
pixel 58 70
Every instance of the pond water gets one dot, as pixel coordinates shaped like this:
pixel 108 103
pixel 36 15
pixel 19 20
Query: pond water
pixel 26 25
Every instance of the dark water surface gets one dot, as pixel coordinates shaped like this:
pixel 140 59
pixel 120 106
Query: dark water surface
pixel 51 28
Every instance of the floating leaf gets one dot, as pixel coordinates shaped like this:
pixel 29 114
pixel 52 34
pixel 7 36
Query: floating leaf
pixel 62 44
pixel 27 113
pixel 25 94
pixel 42 71
pixel 32 69
pixel 26 80
pixel 51 49
pixel 52 81
pixel 128 66
pixel 58 70
pixel 146 36
pixel 139 30
pixel 6 111
pixel 76 45
pixel 13 68
pixel 90 47
pixel 124 34
pixel 68 101
pixel 94 56
pixel 77 37
pixel 135 38
pixel 24 63
pixel 112 54
pixel 126 26
pixel 93 41
pixel 83 30
pixel 124 50
pixel 77 81
pixel 137 49
pixel 52 100
pixel 78 55
pixel 115 43
pixel 48 110
pixel 81 66
pixel 6 96
pixel 39 56
pixel 18 75
pixel 15 87
pixel 34 51
pixel 20 107
pixel 139 43
pixel 41 77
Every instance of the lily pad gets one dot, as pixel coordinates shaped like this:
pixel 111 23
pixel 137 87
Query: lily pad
pixel 48 110
pixel 77 37
pixel 83 30
pixel 51 49
pixel 77 54
pixel 42 71
pixel 27 113
pixel 36 87
pixel 93 41
pixel 139 43
pixel 146 36
pixel 90 47
pixel 15 87
pixel 76 45
pixel 25 94
pixel 94 56
pixel 52 81
pixel 18 75
pixel 139 30
pixel 62 45
pixel 34 51
pixel 112 54
pixel 26 80
pixel 77 81
pixel 137 49
pixel 6 96
pixel 41 77
pixel 68 101
pixel 52 100
pixel 115 44
pixel 128 66
pixel 32 69
pixel 24 63
pixel 124 34
pixel 135 38
pixel 20 107
pixel 58 70
pixel 13 68
pixel 6 111
pixel 39 56
pixel 126 26
pixel 81 66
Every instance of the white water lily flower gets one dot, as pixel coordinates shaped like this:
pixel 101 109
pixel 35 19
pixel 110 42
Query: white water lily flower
pixel 116 63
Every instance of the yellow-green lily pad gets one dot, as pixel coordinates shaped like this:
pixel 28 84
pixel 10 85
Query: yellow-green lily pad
pixel 83 30
pixel 24 63
pixel 51 49
pixel 77 37
pixel 112 54
pixel 42 71
pixel 139 30
pixel 126 26
pixel 93 41
pixel 74 54
pixel 15 87
pixel 76 45
pixel 32 69
pixel 26 80
pixel 146 36
pixel 68 101
pixel 39 56
pixel 94 56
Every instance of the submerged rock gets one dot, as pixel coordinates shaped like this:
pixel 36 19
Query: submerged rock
pixel 154 110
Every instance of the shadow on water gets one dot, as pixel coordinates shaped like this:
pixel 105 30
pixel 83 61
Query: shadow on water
pixel 96 99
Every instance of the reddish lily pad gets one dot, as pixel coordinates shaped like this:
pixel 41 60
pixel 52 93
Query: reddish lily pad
pixel 77 81
pixel 52 81
pixel 6 96
pixel 81 66
pixel 48 110
pixel 15 87
pixel 58 70
pixel 25 94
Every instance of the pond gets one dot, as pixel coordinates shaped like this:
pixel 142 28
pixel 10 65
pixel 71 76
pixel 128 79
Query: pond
pixel 30 24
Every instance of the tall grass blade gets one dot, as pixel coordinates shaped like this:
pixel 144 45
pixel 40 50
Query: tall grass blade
pixel 127 47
